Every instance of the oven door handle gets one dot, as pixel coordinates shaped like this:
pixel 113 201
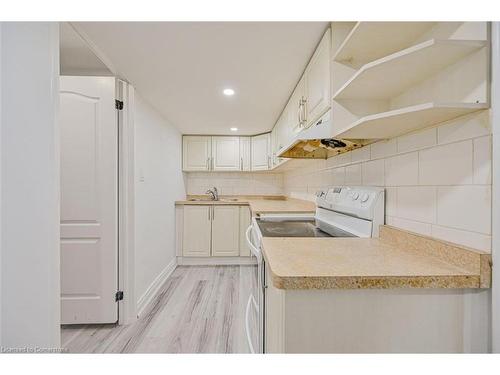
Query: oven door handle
pixel 256 252
pixel 251 301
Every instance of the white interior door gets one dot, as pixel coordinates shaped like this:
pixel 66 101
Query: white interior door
pixel 89 200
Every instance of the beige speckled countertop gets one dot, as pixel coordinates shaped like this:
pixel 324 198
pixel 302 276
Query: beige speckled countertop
pixel 399 259
pixel 258 204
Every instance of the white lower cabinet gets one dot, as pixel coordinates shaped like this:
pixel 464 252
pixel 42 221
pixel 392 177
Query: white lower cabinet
pixel 197 231
pixel 375 320
pixel 225 231
pixel 214 231
pixel 245 221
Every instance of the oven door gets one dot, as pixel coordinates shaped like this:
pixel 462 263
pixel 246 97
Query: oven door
pixel 254 311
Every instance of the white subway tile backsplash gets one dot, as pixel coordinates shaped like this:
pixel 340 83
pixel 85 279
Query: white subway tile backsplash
pixel 384 149
pixel 339 160
pixel 465 207
pixel 391 201
pixel 466 127
pixel 418 140
pixel 372 173
pixel 360 154
pixel 412 226
pixel 338 176
pixel 353 174
pixel 417 203
pixel 446 165
pixel 235 183
pixel 402 170
pixel 482 160
pixel 471 239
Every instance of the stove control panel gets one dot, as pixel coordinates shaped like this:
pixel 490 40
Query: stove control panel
pixel 359 201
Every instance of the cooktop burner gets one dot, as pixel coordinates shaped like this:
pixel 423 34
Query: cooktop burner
pixel 295 228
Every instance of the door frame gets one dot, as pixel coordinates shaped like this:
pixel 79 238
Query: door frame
pixel 127 308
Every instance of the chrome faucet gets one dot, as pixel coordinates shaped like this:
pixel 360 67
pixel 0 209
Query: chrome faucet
pixel 214 193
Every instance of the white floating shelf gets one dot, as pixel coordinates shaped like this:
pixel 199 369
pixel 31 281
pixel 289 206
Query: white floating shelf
pixel 404 120
pixel 391 75
pixel 369 41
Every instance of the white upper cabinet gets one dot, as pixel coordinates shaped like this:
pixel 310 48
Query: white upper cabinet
pixel 196 153
pixel 226 154
pixel 296 108
pixel 261 158
pixel 317 81
pixel 245 160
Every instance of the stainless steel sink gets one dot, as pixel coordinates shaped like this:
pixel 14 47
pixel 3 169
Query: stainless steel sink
pixel 211 200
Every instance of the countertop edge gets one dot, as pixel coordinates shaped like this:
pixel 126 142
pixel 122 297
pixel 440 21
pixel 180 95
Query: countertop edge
pixel 376 282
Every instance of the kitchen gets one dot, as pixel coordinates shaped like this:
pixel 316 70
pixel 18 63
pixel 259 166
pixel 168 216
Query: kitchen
pixel 304 179
pixel 346 208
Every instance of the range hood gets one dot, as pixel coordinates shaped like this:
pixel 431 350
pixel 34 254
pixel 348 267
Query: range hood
pixel 316 142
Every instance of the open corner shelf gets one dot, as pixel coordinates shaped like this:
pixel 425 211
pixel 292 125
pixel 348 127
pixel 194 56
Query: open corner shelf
pixel 369 41
pixel 404 120
pixel 391 75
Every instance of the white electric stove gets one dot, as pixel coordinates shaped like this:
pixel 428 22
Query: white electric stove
pixel 342 211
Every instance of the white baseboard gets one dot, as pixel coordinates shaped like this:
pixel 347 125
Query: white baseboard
pixel 215 261
pixel 155 286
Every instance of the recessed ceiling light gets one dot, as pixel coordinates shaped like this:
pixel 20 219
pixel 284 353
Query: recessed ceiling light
pixel 228 92
pixel 234 129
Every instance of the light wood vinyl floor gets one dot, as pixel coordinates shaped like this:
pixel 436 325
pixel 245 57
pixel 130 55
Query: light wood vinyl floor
pixel 199 309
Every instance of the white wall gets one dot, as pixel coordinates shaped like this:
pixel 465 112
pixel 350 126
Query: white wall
pixel 233 183
pixel 159 183
pixel 30 185
pixel 438 180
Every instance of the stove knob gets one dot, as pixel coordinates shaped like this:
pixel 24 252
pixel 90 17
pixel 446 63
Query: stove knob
pixel 364 197
pixel 355 196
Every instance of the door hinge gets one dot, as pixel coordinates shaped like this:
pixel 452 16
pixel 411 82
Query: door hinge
pixel 118 296
pixel 118 104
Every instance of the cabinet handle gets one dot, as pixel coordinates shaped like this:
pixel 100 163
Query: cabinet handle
pixel 212 163
pixel 208 165
pixel 213 212
pixel 209 209
pixel 241 163
pixel 304 109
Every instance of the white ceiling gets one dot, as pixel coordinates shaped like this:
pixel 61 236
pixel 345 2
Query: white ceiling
pixel 181 68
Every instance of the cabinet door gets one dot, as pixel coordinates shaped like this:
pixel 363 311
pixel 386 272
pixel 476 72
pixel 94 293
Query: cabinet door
pixel 225 231
pixel 274 146
pixel 197 231
pixel 317 80
pixel 245 160
pixel 226 154
pixel 245 220
pixel 196 152
pixel 260 152
pixel 295 109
